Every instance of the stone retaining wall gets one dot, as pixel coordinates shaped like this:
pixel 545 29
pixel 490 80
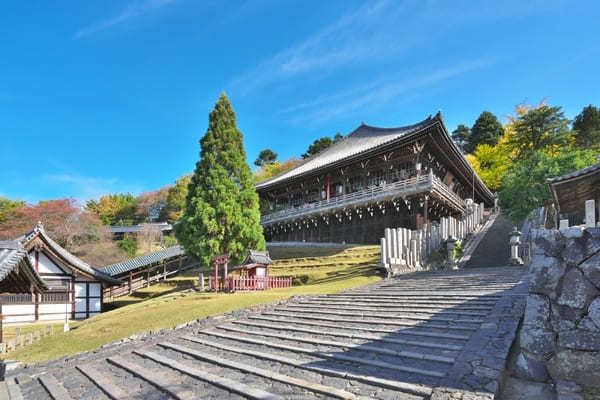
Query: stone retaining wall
pixel 559 340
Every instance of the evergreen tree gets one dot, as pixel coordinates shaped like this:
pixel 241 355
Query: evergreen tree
pixel 462 136
pixel 267 156
pixel 486 130
pixel 222 214
pixel 321 144
pixel 587 127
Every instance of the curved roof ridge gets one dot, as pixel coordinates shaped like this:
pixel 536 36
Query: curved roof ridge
pixel 360 140
pixel 77 262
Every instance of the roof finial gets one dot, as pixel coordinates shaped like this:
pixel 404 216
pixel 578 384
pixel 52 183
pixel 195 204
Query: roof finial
pixel 39 226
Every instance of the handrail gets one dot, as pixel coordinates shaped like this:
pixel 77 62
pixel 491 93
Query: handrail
pixel 406 186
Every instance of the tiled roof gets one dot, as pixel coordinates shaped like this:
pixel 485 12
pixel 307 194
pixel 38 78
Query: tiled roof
pixel 12 254
pixel 257 257
pixel 363 139
pixel 76 262
pixel 575 174
pixel 142 261
pixel 160 226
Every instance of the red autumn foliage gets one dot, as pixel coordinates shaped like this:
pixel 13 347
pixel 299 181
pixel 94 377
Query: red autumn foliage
pixel 63 220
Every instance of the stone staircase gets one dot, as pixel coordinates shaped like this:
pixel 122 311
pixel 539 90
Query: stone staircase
pixel 493 250
pixel 420 336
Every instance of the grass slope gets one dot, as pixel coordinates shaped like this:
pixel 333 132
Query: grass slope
pixel 344 269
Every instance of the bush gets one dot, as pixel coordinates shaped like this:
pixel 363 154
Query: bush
pixel 169 241
pixel 129 245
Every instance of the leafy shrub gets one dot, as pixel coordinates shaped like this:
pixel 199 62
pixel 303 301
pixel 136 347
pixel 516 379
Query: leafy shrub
pixel 129 245
pixel 169 241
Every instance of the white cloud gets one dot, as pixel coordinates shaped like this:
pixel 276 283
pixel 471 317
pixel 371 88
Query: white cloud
pixel 133 10
pixel 377 93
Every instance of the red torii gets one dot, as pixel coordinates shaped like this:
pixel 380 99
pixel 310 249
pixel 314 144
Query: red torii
pixel 220 260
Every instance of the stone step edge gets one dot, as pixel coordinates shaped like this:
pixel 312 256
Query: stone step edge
pixel 103 382
pixel 159 381
pixel 54 388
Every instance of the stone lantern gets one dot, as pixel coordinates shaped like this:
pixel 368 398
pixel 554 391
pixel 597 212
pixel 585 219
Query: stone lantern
pixel 450 245
pixel 515 242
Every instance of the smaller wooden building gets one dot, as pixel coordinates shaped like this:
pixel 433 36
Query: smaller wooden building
pixel 570 193
pixel 256 264
pixel 252 274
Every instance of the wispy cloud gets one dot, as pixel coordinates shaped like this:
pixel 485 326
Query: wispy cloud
pixel 377 93
pixel 372 34
pixel 133 10
pixel 86 187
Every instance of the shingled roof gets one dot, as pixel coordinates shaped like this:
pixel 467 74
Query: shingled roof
pixel 570 191
pixel 257 257
pixel 142 261
pixel 70 258
pixel 13 258
pixel 363 139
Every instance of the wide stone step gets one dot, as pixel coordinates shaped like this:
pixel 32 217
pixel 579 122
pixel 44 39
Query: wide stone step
pixel 399 304
pixel 391 363
pixel 104 382
pixel 302 383
pixel 352 325
pixel 389 309
pixel 335 343
pixel 372 321
pixel 350 335
pixel 406 316
pixel 371 380
pixel 77 384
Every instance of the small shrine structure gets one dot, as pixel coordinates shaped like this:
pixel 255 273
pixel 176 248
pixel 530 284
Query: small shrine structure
pixel 252 274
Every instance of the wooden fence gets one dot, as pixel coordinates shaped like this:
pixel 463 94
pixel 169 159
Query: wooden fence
pixel 233 284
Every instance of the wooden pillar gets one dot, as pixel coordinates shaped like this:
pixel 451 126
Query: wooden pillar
pixel 73 297
pixel 148 277
pixel 37 261
pixel 216 276
pixel 328 188
pixel 1 320
pixel 165 270
pixel 129 281
pixel 36 305
pixel 426 210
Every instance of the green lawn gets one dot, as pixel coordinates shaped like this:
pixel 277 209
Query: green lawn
pixel 167 305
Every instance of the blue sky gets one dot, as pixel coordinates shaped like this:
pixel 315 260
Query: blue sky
pixel 113 96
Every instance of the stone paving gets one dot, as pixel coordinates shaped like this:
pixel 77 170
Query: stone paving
pixel 427 335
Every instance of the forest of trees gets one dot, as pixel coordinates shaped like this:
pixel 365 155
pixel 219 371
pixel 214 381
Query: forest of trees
pixel 536 143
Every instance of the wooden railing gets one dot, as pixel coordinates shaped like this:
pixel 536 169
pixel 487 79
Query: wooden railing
pixel 388 191
pixel 145 278
pixel 233 284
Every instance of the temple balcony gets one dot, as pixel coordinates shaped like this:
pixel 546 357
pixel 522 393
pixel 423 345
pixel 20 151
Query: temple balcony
pixel 412 187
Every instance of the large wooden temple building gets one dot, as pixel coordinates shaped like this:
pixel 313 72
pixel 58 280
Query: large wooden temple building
pixel 372 179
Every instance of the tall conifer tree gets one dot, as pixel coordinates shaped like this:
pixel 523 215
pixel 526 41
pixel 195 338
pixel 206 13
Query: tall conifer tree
pixel 222 212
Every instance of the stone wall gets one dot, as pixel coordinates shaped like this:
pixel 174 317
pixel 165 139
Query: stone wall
pixel 559 340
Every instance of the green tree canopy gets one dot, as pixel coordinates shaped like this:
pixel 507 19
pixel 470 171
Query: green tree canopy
pixel 176 196
pixel 587 127
pixel 486 130
pixel 321 144
pixel 8 206
pixel 543 128
pixel 462 136
pixel 267 156
pixel 115 209
pixel 222 209
pixel 524 186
